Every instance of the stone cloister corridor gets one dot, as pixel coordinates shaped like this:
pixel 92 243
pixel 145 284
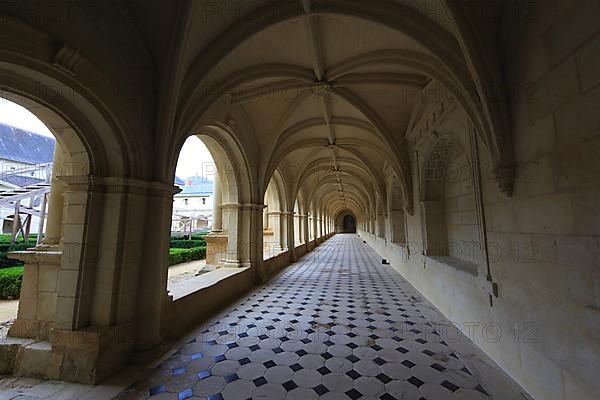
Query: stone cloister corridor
pixel 377 164
pixel 335 325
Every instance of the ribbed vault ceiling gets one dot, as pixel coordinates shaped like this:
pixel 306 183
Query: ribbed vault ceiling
pixel 323 91
pixel 329 100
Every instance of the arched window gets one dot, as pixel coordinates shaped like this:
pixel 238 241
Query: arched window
pixel 275 219
pixel 448 210
pixel 397 218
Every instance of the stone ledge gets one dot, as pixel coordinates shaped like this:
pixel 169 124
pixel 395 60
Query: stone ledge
pixel 202 297
pixel 33 256
pixel 457 264
pixel 196 284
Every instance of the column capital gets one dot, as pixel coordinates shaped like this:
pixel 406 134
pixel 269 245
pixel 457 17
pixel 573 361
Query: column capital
pixel 280 213
pixel 243 206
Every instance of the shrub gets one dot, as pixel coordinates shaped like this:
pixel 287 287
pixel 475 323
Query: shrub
pixel 195 236
pixel 5 237
pixel 10 282
pixel 6 246
pixel 6 262
pixel 178 256
pixel 186 244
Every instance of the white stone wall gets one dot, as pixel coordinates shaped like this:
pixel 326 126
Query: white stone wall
pixel 193 208
pixel 544 242
pixel 461 220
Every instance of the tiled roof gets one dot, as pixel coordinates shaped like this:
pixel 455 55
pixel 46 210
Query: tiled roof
pixel 21 180
pixel 195 185
pixel 25 147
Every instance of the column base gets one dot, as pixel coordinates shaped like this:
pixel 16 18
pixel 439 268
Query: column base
pixel 216 248
pixel 86 356
pixel 39 293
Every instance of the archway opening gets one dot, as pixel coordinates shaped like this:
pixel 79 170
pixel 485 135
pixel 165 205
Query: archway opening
pixel 300 227
pixel 349 224
pixel 192 213
pixel 275 219
pixel 41 212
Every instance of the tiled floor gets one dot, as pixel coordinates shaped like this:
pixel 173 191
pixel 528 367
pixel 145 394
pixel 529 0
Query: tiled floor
pixel 336 325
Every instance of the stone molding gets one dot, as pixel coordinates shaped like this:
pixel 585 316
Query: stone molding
pixel 242 206
pixel 96 184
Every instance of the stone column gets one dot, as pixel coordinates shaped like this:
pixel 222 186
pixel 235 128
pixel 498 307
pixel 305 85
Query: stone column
pixel 49 295
pixel 217 224
pixel 55 201
pixel 304 219
pixel 321 229
pixel 244 245
pixel 151 284
pixel 284 236
pixel 216 241
pixel 380 225
pixel 234 220
pixel 291 234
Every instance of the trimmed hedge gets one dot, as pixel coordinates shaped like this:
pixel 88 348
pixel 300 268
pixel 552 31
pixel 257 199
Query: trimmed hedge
pixel 6 247
pixel 178 256
pixel 6 262
pixel 195 236
pixel 186 244
pixel 5 237
pixel 11 271
pixel 10 282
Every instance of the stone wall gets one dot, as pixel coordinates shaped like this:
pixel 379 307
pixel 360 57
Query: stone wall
pixel 543 243
pixel 461 219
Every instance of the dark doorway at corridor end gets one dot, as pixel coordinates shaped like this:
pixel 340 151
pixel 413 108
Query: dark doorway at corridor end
pixel 349 224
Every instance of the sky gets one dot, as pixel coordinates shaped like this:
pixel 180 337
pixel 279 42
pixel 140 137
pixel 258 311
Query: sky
pixel 15 115
pixel 194 159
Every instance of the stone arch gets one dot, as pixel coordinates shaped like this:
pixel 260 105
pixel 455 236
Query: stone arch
pixel 432 203
pixel 85 163
pixel 71 164
pixel 448 207
pixel 449 64
pixel 275 217
pixel 300 225
pixel 345 221
pixel 396 212
pixel 229 242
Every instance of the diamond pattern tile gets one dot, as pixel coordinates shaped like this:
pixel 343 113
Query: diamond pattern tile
pixel 337 324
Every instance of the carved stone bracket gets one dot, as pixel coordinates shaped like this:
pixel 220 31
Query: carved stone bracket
pixel 505 176
pixel 67 59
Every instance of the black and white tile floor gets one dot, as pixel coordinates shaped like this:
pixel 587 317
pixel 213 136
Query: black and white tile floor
pixel 336 325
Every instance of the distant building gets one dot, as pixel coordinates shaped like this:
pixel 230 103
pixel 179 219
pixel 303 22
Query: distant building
pixel 193 204
pixel 25 160
pixel 24 156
